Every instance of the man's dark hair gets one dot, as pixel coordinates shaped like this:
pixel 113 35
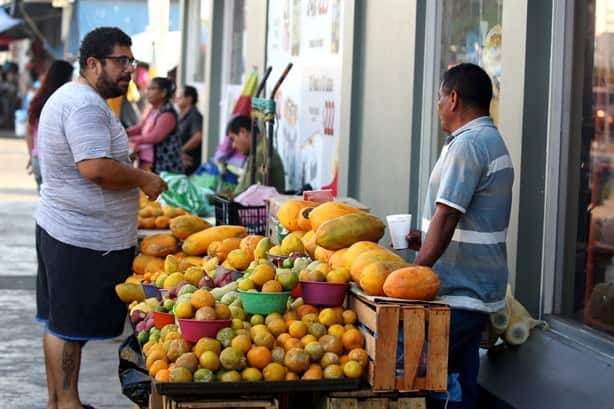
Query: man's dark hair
pixel 190 91
pixel 471 83
pixel 236 123
pixel 99 43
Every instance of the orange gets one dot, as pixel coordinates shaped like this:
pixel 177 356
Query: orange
pixel 310 318
pixel 306 309
pixel 239 259
pixel 313 373
pixel 331 344
pixel 277 327
pixel 251 375
pixel 241 342
pixel 290 316
pixel 209 360
pixel 343 359
pixel 162 375
pixel 297 329
pixel 328 317
pixel 352 369
pixel 148 345
pixel 249 243
pixel 329 358
pixel 157 365
pixel 222 311
pixel 292 343
pixel 282 338
pixel 207 344
pixel 307 339
pixel 336 330
pixel 264 339
pixel 259 357
pixel 262 273
pixel 153 357
pixel 202 298
pixel 349 317
pixel 353 338
pixel 291 376
pixel 272 316
pixel 297 360
pixel 333 371
pixel 278 354
pixel 272 286
pixel 161 222
pixel 274 372
pixel 359 355
pixel 257 328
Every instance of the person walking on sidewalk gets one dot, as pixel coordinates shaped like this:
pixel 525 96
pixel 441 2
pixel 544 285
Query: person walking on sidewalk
pixel 190 128
pixel 466 215
pixel 58 74
pixel 86 221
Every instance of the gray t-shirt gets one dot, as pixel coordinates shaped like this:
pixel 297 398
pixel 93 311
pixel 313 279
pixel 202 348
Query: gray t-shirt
pixel 77 124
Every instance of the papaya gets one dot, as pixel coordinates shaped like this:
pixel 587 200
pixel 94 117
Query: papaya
pixel 303 219
pixel 337 260
pixel 374 275
pixel 140 262
pixel 128 292
pixel 356 250
pixel 322 254
pixel 183 226
pixel 159 245
pixel 370 257
pixel 309 242
pixel 197 243
pixel 221 248
pixel 328 211
pixel 289 211
pixel 343 231
pixel 413 283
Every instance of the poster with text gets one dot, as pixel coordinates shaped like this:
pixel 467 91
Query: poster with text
pixel 307 34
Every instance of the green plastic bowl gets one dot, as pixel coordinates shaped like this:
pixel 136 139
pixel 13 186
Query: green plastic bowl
pixel 264 303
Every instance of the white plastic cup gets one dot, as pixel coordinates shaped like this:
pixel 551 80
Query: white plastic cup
pixel 399 225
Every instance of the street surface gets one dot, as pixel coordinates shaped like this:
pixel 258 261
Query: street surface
pixel 23 384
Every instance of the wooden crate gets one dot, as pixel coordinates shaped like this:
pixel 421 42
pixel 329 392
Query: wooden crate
pixel 380 326
pixel 367 399
pixel 221 404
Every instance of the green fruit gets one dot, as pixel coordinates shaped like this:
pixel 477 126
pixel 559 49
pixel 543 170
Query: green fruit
pixel 154 337
pixel 287 278
pixel 204 375
pixel 143 337
pixel 225 336
pixel 168 305
pixel 287 263
pixel 187 289
pixel 160 308
pixel 237 312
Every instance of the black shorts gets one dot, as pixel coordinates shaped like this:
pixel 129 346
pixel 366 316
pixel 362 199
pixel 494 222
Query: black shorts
pixel 75 289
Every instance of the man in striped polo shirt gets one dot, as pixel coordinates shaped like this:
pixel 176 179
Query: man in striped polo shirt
pixel 465 219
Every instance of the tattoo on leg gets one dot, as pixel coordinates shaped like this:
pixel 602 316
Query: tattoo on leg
pixel 69 363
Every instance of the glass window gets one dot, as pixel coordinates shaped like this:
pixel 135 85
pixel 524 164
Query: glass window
pixel 471 32
pixel 589 287
pixel 199 73
pixel 197 38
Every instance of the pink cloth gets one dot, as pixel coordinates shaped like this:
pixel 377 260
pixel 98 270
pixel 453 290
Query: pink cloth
pixel 151 130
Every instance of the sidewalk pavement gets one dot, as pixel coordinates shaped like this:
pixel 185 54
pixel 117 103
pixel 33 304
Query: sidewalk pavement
pixel 23 385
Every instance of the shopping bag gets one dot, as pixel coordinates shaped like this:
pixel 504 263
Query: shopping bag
pixel 133 375
pixel 183 193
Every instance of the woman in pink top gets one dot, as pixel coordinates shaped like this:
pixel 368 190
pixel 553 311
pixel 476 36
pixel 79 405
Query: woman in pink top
pixel 154 138
pixel 58 74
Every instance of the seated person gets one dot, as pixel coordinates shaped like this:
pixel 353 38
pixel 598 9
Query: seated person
pixel 239 129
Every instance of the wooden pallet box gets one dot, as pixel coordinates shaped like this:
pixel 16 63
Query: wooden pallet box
pixel 367 399
pixel 221 404
pixel 421 323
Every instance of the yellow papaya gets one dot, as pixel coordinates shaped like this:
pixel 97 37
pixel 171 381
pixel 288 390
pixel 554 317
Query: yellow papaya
pixel 128 292
pixel 343 231
pixel 140 262
pixel 303 218
pixel 374 275
pixel 356 250
pixel 309 242
pixel 197 243
pixel 337 260
pixel 322 254
pixel 413 283
pixel 159 245
pixel 183 226
pixel 329 210
pixel 289 211
pixel 370 257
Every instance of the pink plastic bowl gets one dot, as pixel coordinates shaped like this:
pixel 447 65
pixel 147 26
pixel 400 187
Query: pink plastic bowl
pixel 323 294
pixel 193 330
pixel 162 318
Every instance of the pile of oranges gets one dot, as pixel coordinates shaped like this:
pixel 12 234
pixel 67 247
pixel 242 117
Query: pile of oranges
pixel 306 343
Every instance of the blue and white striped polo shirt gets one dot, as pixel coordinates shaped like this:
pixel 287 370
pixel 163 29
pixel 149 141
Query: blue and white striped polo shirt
pixel 474 175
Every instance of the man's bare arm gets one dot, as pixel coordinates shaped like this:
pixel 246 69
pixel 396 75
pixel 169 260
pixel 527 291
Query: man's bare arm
pixel 438 236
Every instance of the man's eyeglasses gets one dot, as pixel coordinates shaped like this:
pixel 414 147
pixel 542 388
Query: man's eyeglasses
pixel 123 61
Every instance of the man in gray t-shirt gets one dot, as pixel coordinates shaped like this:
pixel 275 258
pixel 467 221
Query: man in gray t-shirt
pixel 87 216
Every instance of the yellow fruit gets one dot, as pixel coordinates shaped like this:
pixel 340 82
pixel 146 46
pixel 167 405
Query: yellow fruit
pixel 339 276
pixel 337 259
pixel 158 355
pixel 277 251
pixel 207 344
pixel 359 355
pixel 264 339
pixel 322 254
pixel 349 317
pixel 297 329
pixel 336 330
pixel 262 248
pixel 309 242
pixel 356 250
pixel 352 339
pixel 251 375
pixel 193 275
pixel 197 243
pixel 188 360
pixel 205 314
pixel 249 244
pixel 333 371
pixel 292 243
pixel 277 327
pixel 369 257
pixel 241 342
pixel 184 309
pixel 352 369
pixel 245 284
pixel 261 274
pixel 159 245
pixel 307 339
pixel 343 231
pixel 297 360
pixel 180 374
pixel 329 358
pixel 328 317
pixel 129 292
pixel 374 275
pixel 172 280
pixel 272 286
pixel 171 264
pixel 202 298
pixel 238 259
pixel 184 226
pixel 274 372
pixel 222 311
pixel 288 213
pixel 328 211
pixel 231 376
pixel 259 357
pixel 313 373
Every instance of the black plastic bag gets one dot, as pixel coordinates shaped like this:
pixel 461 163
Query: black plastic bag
pixel 133 375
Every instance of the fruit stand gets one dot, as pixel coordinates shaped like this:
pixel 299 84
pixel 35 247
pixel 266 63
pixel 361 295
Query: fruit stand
pixel 227 318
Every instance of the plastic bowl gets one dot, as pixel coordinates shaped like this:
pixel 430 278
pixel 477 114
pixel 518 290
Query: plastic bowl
pixel 323 294
pixel 162 318
pixel 264 303
pixel 151 291
pixel 193 330
pixel 276 260
pixel 164 293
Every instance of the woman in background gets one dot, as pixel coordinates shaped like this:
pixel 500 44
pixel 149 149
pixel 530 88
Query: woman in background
pixel 59 73
pixel 155 140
